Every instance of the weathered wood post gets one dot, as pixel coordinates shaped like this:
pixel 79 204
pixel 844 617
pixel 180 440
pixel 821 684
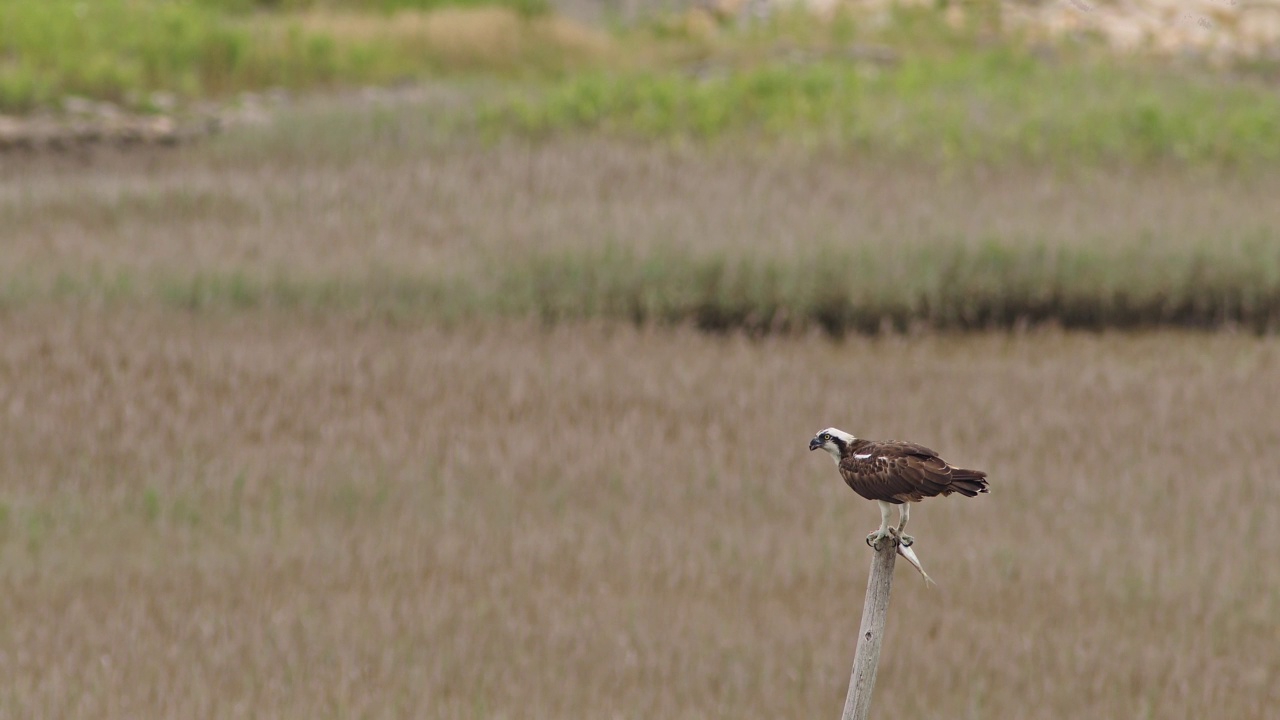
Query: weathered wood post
pixel 875 610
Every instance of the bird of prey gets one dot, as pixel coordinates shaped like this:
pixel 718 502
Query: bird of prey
pixel 895 473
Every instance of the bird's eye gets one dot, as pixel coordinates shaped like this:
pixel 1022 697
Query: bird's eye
pixel 826 437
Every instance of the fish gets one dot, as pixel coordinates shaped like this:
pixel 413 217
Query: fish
pixel 910 555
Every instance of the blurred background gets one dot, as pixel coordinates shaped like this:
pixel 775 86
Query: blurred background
pixel 417 358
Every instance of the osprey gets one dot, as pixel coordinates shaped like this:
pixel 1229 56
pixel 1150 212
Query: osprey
pixel 895 473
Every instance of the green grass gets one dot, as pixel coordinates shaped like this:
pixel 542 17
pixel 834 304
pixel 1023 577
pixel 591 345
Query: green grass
pixel 120 50
pixel 988 105
pixel 108 48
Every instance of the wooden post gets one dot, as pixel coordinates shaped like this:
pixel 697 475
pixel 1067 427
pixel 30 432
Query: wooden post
pixel 875 610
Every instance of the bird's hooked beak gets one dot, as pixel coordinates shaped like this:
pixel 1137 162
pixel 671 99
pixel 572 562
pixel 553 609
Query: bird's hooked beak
pixel 815 443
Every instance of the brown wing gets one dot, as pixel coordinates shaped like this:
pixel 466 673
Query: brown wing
pixel 898 472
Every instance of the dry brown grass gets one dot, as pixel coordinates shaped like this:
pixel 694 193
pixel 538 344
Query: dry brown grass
pixel 264 515
pixel 462 37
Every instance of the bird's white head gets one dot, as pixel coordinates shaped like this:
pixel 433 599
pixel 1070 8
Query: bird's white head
pixel 833 441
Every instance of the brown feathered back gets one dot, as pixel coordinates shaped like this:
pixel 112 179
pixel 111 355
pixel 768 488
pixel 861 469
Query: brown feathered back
pixel 898 472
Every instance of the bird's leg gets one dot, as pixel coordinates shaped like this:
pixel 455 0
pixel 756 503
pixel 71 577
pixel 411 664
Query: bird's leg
pixel 904 511
pixel 876 538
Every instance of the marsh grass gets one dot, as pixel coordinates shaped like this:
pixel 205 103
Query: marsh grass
pixel 948 286
pixel 380 212
pixel 280 514
pixel 832 288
